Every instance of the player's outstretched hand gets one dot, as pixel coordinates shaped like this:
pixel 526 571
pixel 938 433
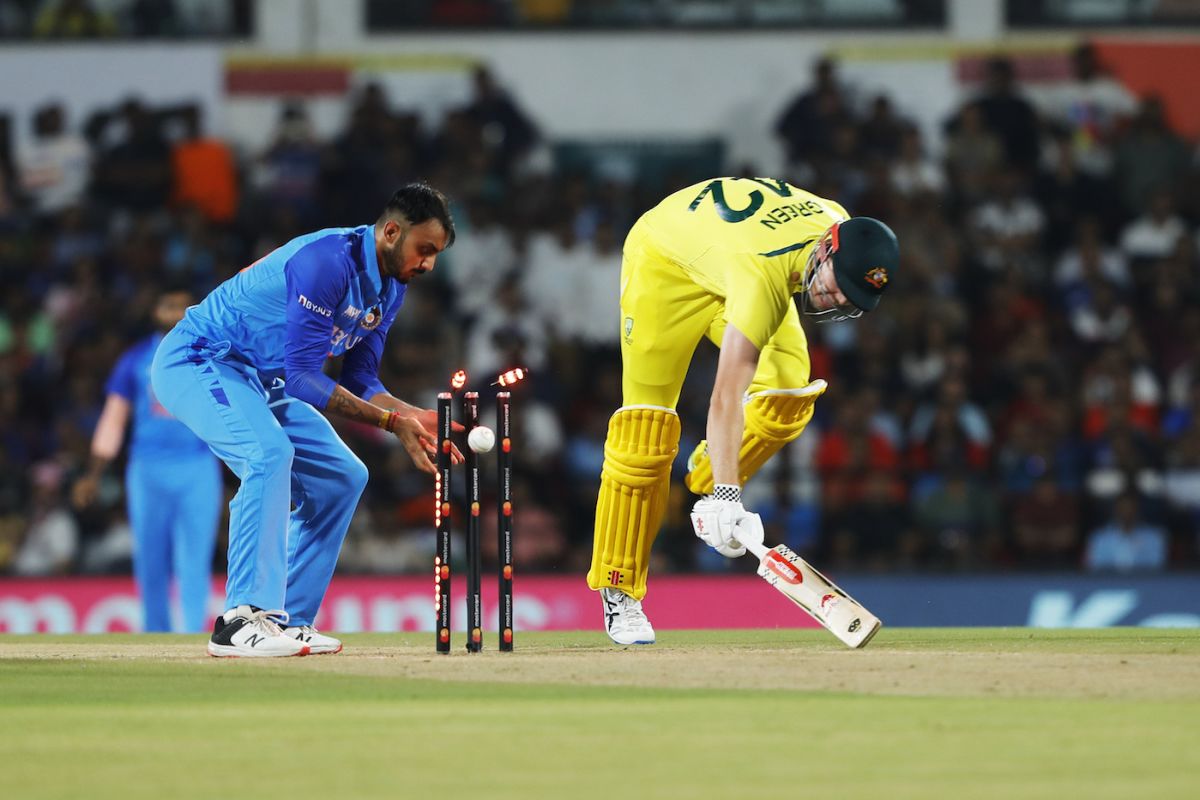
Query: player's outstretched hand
pixel 428 419
pixel 417 441
pixel 715 522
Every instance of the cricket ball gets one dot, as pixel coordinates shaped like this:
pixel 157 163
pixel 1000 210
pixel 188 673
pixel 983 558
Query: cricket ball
pixel 481 439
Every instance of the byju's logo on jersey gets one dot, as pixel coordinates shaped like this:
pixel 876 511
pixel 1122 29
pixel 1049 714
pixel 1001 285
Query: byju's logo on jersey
pixel 313 307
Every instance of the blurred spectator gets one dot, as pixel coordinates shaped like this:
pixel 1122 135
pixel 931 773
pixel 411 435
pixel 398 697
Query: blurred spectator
pixel 913 172
pixel 874 532
pixel 1103 318
pixel 1089 109
pixel 1182 484
pixel 807 124
pixel 1032 452
pixel 1045 527
pixel 1008 115
pixel 1008 227
pixel 1123 460
pixel 289 171
pixel 973 153
pixel 1156 233
pixel 203 170
pixel 881 132
pixel 1116 388
pixel 1183 398
pixel 1126 543
pixel 507 333
pixel 594 319
pixel 483 256
pixel 952 406
pixel 923 363
pixel 14 492
pixel 56 166
pixel 547 279
pixel 1090 259
pixel 958 521
pixel 1071 197
pixel 846 450
pixel 73 19
pixel 541 543
pixel 134 173
pixel 355 172
pixel 1150 158
pixel 190 252
pixel 508 133
pixel 51 542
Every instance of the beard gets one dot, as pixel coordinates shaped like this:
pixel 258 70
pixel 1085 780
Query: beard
pixel 393 259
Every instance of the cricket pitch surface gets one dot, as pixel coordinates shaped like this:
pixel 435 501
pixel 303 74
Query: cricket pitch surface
pixel 978 712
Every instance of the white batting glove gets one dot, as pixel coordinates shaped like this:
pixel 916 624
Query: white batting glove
pixel 715 518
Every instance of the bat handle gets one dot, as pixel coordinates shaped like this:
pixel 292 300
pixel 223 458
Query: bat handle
pixel 758 549
pixel 751 530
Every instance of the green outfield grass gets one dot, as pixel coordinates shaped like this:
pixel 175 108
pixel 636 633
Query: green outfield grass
pixel 979 713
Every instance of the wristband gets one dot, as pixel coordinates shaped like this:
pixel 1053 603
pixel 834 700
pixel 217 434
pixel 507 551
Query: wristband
pixel 727 491
pixel 385 421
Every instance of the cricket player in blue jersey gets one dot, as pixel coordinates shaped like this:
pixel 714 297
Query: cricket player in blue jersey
pixel 243 369
pixel 172 483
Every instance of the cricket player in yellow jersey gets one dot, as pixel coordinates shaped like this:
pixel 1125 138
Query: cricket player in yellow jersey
pixel 736 260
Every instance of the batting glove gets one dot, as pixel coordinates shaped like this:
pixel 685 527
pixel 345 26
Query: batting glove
pixel 715 518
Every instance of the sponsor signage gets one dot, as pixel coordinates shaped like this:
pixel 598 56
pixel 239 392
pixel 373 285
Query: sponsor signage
pixel 386 604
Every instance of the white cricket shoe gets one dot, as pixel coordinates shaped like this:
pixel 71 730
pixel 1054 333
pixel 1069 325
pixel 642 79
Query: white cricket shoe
pixel 249 632
pixel 624 619
pixel 318 643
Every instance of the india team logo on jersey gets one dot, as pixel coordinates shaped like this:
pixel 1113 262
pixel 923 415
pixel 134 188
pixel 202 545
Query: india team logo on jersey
pixel 877 277
pixel 372 318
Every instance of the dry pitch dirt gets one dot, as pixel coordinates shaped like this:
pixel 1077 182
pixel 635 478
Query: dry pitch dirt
pixel 889 670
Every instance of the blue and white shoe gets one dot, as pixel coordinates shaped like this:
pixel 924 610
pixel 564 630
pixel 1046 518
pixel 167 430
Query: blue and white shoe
pixel 624 619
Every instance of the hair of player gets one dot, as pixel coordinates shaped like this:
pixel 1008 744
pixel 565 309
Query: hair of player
pixel 420 202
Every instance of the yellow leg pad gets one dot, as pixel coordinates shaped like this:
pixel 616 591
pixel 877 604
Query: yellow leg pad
pixel 773 418
pixel 641 445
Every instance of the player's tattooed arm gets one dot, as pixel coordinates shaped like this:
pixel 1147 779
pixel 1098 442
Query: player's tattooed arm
pixel 342 403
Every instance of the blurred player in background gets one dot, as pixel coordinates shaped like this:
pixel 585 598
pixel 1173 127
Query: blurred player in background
pixel 172 483
pixel 722 259
pixel 221 371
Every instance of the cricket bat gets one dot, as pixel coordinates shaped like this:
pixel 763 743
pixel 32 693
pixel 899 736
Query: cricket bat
pixel 779 566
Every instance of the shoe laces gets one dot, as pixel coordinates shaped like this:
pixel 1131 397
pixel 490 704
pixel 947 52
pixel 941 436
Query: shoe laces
pixel 269 621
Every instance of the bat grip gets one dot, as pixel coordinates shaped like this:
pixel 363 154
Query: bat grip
pixel 758 549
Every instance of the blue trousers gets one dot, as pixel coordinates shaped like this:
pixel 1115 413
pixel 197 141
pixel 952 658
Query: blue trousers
pixel 174 507
pixel 300 483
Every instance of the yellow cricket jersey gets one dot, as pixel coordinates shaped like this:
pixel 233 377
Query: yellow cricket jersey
pixel 742 239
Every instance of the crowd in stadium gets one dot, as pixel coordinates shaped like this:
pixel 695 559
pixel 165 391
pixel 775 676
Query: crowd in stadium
pixel 1024 398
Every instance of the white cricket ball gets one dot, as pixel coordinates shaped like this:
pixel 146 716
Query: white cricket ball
pixel 481 439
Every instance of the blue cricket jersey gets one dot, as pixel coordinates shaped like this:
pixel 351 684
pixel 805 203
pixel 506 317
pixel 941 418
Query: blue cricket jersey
pixel 319 295
pixel 155 433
